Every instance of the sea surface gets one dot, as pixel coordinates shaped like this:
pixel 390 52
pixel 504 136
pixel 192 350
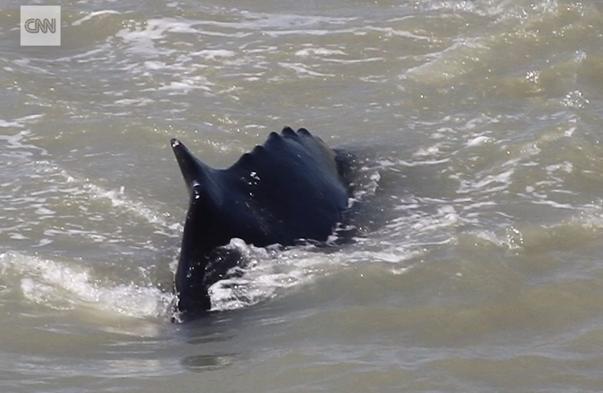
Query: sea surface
pixel 477 259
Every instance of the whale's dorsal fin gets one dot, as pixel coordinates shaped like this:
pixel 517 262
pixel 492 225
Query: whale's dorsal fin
pixel 197 175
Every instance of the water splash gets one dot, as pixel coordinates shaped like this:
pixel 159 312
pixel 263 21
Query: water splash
pixel 63 286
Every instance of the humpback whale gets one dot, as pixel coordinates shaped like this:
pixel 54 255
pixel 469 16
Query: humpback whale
pixel 290 189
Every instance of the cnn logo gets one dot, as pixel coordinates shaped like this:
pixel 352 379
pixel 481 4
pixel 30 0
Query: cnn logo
pixel 40 25
pixel 33 25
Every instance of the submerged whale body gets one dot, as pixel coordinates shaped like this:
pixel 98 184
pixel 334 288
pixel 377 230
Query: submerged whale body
pixel 290 188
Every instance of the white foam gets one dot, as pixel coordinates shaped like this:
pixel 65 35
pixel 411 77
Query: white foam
pixel 93 15
pixel 186 85
pixel 390 31
pixel 302 69
pixel 268 272
pixel 24 64
pixel 271 271
pixel 482 8
pixel 367 182
pixel 479 140
pixel 575 99
pixel 457 60
pixel 118 198
pixel 430 151
pixel 445 217
pixel 318 52
pixel 141 39
pixel 213 54
pixel 264 21
pixel 421 163
pixel 6 124
pixel 489 183
pixel 61 286
pixel 20 122
pixel 565 166
pixel 137 102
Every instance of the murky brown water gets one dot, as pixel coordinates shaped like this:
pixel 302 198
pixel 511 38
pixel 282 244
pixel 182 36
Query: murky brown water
pixel 478 266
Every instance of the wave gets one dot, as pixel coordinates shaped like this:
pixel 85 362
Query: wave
pixel 64 286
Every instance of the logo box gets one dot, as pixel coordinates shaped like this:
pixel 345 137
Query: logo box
pixel 40 25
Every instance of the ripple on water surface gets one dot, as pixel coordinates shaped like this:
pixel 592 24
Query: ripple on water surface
pixel 477 211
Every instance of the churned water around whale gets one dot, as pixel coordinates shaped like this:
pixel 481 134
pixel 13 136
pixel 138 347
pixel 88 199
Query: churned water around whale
pixel 477 263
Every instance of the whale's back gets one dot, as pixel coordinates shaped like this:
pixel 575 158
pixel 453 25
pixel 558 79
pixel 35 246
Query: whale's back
pixel 288 189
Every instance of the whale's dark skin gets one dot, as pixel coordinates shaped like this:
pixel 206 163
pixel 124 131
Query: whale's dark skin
pixel 290 188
